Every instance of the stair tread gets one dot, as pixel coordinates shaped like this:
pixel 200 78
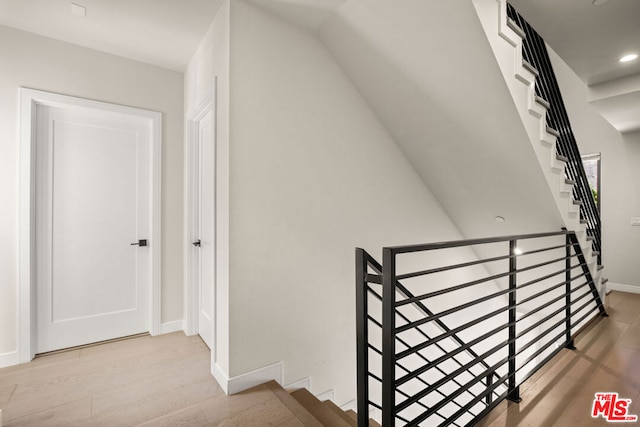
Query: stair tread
pixel 516 28
pixel 339 412
pixel 562 158
pixel 526 64
pixel 552 131
pixel 296 408
pixel 316 408
pixel 540 100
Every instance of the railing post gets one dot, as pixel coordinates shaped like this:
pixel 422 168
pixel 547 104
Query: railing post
pixel 569 339
pixel 489 397
pixel 514 391
pixel 388 337
pixel 362 334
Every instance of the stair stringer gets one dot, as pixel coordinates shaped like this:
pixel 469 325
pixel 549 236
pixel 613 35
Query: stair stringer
pixel 506 42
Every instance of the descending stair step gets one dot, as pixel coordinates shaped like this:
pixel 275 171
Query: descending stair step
pixel 577 202
pixel 601 267
pixel 296 408
pixel 569 181
pixel 590 238
pixel 553 132
pixel 562 158
pixel 321 412
pixel 339 412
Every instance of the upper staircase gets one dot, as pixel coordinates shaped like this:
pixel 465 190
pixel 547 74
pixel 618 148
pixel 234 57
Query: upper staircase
pixel 528 73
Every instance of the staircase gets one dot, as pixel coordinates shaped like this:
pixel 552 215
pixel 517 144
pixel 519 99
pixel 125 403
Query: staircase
pixel 541 109
pixel 312 412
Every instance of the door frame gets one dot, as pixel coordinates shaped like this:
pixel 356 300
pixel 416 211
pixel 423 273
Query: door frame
pixel 29 100
pixel 191 204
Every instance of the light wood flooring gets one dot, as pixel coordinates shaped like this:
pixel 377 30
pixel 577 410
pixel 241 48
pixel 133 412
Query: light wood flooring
pixel 165 381
pixel 607 360
pixel 145 381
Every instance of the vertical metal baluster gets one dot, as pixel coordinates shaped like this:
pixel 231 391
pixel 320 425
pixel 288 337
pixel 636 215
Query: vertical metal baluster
pixel 514 391
pixel 362 339
pixel 388 337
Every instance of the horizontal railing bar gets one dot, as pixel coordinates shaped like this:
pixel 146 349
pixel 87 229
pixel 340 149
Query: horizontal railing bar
pixel 446 356
pixel 438 322
pixel 375 405
pixel 542 335
pixel 375 349
pixel 580 309
pixel 470 404
pixel 541 321
pixel 405 404
pixel 378 324
pixel 472 242
pixel 577 322
pixel 452 310
pixel 544 292
pixel 421 346
pixel 451 267
pixel 477 262
pixel 469 284
pixel 539 308
pixel 374 278
pixel 465 326
pixel 543 362
pixel 377 295
pixel 438 368
pixel 566 270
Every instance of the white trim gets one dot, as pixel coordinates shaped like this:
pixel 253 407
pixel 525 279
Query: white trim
pixel 9 359
pixel 350 406
pixel 29 99
pixel 622 288
pixel 327 395
pixel 296 385
pixel 248 380
pixel 169 327
pixel 191 191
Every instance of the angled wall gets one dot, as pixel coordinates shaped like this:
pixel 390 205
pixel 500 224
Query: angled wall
pixel 313 174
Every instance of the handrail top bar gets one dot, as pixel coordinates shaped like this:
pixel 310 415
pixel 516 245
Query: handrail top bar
pixel 470 242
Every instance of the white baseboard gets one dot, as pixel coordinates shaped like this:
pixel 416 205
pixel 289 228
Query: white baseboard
pixel 9 359
pixel 327 395
pixel 250 379
pixel 303 383
pixel 350 406
pixel 169 327
pixel 623 288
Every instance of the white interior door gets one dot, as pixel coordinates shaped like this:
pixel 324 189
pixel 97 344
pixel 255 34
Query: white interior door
pixel 206 227
pixel 93 195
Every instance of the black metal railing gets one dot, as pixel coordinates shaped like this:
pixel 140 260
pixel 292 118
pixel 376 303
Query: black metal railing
pixel 502 307
pixel 534 51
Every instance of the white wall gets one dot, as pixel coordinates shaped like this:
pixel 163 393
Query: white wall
pixel 209 68
pixel 313 174
pixel 41 63
pixel 620 191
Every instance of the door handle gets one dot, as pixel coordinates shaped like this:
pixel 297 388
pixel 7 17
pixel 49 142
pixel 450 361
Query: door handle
pixel 197 243
pixel 141 242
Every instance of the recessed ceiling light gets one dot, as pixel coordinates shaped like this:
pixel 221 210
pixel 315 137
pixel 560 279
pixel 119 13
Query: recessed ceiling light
pixel 599 2
pixel 629 58
pixel 78 9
